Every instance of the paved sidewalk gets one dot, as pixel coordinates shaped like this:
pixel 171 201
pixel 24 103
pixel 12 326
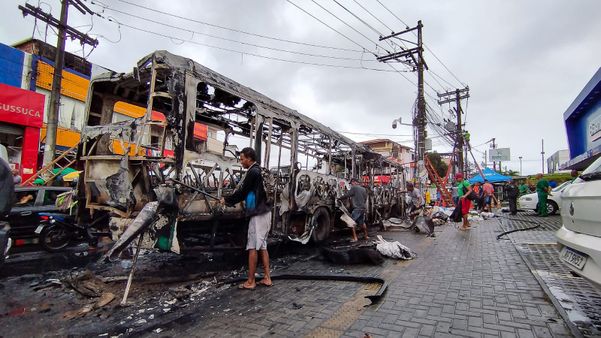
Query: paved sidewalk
pixel 464 283
pixel 578 299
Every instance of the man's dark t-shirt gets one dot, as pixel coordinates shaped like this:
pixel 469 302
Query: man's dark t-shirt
pixel 358 195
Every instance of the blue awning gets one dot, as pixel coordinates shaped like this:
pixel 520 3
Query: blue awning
pixel 491 176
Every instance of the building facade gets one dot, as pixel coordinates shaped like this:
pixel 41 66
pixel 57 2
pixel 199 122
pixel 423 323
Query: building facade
pixel 396 152
pixel 26 72
pixel 583 125
pixel 557 160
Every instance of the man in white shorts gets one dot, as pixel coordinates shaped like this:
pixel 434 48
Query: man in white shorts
pixel 252 192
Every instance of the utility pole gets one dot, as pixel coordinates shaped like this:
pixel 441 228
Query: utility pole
pixel 456 96
pixel 414 58
pixel 63 30
pixel 485 158
pixel 542 155
pixel 494 163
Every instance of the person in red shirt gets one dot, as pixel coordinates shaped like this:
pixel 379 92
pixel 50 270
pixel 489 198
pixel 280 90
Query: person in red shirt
pixel 489 192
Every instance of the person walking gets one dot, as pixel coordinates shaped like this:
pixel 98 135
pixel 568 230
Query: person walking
pixel 358 196
pixel 252 192
pixel 477 188
pixel 543 191
pixel 488 195
pixel 512 196
pixel 455 195
pixel 464 190
pixel 417 201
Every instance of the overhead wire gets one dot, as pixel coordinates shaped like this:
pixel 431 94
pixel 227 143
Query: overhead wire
pixel 342 34
pixel 373 16
pixel 253 54
pixel 425 45
pixel 358 18
pixel 347 24
pixel 237 30
pixel 234 40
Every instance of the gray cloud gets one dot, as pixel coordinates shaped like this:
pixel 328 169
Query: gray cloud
pixel 525 61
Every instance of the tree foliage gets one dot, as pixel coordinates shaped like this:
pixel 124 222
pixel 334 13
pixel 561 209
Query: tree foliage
pixel 439 165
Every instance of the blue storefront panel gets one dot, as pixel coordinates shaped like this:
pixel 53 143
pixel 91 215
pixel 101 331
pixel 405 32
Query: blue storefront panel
pixel 583 125
pixel 11 65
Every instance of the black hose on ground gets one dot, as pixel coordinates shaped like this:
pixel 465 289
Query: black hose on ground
pixel 373 298
pixel 516 230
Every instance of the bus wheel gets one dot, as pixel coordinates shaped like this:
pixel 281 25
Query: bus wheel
pixel 321 220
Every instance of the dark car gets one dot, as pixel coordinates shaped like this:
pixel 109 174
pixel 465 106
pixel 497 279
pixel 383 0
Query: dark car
pixel 30 201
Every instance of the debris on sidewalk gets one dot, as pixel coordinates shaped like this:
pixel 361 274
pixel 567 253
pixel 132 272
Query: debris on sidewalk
pixel 394 249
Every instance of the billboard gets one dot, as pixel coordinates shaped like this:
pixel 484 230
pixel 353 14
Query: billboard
pixel 499 154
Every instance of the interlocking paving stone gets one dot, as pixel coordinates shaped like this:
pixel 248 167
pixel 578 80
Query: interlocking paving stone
pixel 580 298
pixel 462 284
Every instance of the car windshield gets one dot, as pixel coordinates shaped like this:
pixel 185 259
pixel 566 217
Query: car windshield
pixel 593 172
pixel 561 186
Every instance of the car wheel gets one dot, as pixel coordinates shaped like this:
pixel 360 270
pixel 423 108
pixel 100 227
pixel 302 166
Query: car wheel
pixel 54 238
pixel 552 207
pixel 321 220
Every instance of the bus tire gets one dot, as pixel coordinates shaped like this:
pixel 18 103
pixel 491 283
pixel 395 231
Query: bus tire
pixel 321 220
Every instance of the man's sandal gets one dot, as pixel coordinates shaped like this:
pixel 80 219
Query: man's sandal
pixel 243 286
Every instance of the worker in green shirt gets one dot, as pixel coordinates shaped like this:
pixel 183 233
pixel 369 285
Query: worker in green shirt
pixel 524 189
pixel 542 190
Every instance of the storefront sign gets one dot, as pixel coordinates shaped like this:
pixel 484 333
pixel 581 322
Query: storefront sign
pixel 499 154
pixel 22 107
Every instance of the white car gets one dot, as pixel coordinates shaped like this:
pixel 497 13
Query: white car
pixel 580 234
pixel 530 201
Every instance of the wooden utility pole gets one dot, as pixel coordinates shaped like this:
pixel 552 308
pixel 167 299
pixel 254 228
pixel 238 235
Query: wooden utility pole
pixel 63 30
pixel 413 57
pixel 456 96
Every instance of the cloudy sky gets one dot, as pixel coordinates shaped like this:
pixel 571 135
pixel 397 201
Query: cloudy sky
pixel 524 61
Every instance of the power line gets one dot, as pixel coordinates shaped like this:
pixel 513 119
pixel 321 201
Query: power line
pixel 236 30
pixel 358 18
pixel 389 11
pixel 428 48
pixel 346 24
pixel 253 54
pixel 330 27
pixel 371 134
pixel 442 78
pixel 237 41
pixel 373 16
pixel 346 37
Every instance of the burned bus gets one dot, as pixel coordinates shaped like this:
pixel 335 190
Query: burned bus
pixel 164 172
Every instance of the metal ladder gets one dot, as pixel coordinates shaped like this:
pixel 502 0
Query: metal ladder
pixel 67 155
pixel 446 196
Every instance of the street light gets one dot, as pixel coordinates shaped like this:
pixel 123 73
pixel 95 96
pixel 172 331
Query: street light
pixel 399 121
pixel 520 165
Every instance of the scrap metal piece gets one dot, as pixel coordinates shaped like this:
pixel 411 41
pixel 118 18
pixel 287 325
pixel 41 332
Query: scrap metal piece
pixel 375 298
pixel 140 223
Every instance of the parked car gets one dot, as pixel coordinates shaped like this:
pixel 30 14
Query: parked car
pixel 530 201
pixel 580 234
pixel 30 201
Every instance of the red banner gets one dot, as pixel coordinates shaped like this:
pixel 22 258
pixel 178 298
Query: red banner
pixel 19 106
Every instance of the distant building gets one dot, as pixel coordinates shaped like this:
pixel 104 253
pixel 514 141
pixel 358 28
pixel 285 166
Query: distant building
pixel 26 72
pixel 555 161
pixel 394 151
pixel 583 125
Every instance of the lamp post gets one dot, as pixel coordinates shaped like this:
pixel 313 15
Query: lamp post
pixel 520 165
